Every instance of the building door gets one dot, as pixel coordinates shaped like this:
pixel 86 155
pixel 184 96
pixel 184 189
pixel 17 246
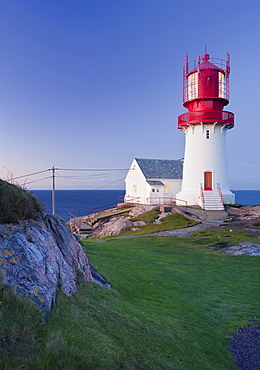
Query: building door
pixel 207 180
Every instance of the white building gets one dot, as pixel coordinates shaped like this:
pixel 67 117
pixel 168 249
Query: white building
pixel 153 181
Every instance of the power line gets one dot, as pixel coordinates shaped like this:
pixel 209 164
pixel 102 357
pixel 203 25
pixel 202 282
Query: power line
pixel 113 172
pixel 87 191
pixel 91 176
pixel 31 182
pixel 92 169
pixel 30 174
pixel 71 169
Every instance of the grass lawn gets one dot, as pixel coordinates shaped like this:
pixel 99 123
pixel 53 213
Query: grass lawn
pixel 172 305
pixel 171 222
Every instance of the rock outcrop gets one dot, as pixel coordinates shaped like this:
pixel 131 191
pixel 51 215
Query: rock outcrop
pixel 39 256
pixel 253 249
pixel 115 226
pixel 120 224
pixel 138 210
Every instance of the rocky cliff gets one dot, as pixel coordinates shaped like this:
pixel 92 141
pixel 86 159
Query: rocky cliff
pixel 39 256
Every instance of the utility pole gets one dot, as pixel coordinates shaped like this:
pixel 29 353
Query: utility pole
pixel 53 191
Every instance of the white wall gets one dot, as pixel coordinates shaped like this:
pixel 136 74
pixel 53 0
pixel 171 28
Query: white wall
pixel 136 178
pixel 144 191
pixel 204 154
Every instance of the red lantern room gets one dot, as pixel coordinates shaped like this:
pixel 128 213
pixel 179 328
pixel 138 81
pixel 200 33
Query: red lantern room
pixel 206 92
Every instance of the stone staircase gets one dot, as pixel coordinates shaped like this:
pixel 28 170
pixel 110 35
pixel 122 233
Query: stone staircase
pixel 212 201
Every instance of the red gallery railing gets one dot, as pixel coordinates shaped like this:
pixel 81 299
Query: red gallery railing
pixel 206 116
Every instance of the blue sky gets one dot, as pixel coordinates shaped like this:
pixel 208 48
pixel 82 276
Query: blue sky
pixel 95 83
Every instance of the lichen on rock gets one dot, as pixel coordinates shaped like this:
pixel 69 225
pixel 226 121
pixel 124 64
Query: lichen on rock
pixel 39 256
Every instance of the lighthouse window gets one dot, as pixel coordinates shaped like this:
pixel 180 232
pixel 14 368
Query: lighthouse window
pixel 221 85
pixel 193 86
pixel 207 134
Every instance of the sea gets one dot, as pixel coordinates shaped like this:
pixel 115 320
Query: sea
pixel 70 203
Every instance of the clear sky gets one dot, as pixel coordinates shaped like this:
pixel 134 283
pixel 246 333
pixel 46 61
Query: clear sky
pixel 95 83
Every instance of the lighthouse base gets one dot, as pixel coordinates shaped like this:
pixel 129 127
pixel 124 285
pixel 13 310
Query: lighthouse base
pixel 208 200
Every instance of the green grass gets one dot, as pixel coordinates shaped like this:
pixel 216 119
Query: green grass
pixel 174 221
pixel 21 330
pixel 147 217
pixel 16 203
pixel 172 304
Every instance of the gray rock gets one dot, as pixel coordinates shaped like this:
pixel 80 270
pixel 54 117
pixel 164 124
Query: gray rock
pixel 39 256
pixel 98 278
pixel 138 210
pixel 138 223
pixel 163 215
pixel 115 226
pixel 253 249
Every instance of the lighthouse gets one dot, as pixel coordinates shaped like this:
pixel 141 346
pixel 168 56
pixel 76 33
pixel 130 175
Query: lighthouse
pixel 205 169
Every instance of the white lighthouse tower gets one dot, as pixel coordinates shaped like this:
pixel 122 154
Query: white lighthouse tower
pixel 205 172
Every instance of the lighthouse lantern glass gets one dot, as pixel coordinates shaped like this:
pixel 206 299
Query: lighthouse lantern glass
pixel 193 86
pixel 221 85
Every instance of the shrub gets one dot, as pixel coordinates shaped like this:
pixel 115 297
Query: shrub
pixel 16 203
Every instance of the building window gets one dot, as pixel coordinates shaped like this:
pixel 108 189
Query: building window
pixel 134 188
pixel 165 189
pixel 207 134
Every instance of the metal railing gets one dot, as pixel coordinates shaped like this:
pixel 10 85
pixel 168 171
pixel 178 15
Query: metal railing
pixel 202 196
pixel 214 64
pixel 206 116
pixel 129 199
pixel 220 193
pixel 164 201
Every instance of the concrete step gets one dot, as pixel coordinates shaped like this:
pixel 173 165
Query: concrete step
pixel 212 201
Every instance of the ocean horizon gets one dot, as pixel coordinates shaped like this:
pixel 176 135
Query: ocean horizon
pixel 85 200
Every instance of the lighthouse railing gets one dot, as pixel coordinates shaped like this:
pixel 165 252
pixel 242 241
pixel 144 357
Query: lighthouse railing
pixel 206 116
pixel 220 193
pixel 202 196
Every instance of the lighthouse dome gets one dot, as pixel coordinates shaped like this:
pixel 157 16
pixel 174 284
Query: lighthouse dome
pixel 205 65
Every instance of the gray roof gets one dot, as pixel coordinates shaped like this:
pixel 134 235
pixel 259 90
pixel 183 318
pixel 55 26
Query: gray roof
pixel 155 183
pixel 160 168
